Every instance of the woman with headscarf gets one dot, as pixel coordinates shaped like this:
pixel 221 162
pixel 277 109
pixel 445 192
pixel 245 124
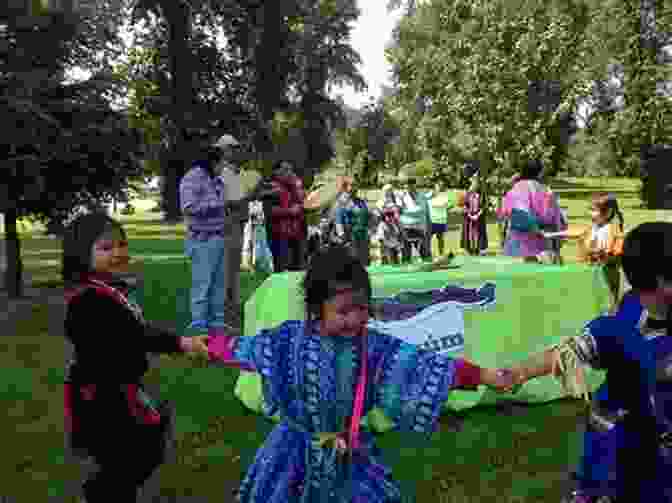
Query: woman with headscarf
pixel 531 208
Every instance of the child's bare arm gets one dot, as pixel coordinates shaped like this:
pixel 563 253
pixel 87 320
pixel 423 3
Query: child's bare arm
pixel 566 361
pixel 538 365
pixel 568 234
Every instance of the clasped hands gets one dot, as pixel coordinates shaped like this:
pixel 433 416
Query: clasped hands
pixel 196 347
pixel 504 380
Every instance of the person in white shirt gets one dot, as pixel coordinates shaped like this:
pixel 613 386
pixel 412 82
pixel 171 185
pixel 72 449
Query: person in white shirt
pixel 416 221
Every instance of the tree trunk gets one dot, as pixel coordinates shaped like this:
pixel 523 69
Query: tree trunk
pixel 179 19
pixel 271 83
pixel 14 272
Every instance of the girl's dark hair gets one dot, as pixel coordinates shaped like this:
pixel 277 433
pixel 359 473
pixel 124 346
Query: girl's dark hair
pixel 531 170
pixel 78 242
pixel 646 255
pixel 608 205
pixel 328 268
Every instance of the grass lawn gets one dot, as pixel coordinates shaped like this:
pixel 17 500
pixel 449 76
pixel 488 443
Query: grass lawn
pixel 519 455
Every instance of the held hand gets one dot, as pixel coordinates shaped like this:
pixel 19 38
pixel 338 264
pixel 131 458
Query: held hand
pixel 196 347
pixel 598 256
pixel 503 380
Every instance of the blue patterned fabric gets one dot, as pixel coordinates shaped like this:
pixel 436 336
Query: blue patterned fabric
pixel 606 467
pixel 596 473
pixel 310 380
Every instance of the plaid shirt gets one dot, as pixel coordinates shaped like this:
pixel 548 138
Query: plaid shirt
pixel 204 205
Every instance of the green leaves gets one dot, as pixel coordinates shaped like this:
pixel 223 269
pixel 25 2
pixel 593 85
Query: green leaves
pixel 475 65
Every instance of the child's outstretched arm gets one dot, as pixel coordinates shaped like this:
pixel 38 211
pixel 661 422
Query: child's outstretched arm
pixel 567 234
pixel 538 365
pixel 224 347
pixel 565 361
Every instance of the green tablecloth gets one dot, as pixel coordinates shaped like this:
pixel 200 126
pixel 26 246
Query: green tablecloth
pixel 536 306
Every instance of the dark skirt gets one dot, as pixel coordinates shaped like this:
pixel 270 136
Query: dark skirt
pixel 89 440
pixel 474 236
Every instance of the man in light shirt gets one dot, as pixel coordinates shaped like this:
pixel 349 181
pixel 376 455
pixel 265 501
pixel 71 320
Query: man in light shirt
pixel 416 221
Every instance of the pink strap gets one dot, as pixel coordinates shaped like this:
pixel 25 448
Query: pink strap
pixel 358 408
pixel 221 348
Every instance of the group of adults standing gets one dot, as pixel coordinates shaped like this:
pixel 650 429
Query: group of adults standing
pixel 404 220
pixel 216 212
pixel 216 215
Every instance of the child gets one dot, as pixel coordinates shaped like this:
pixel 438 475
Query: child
pixel 108 415
pixel 602 243
pixel 316 378
pixel 474 229
pixel 626 452
pixel 390 232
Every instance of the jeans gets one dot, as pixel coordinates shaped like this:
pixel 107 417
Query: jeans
pixel 208 285
pixel 280 252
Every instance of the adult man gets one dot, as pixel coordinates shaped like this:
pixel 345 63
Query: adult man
pixel 216 210
pixel 416 221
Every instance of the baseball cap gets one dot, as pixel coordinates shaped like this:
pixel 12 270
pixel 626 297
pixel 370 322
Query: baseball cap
pixel 226 141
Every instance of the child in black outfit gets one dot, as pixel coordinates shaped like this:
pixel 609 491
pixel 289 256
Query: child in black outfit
pixel 109 417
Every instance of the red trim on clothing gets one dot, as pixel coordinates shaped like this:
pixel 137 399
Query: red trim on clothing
pixel 139 409
pixel 467 375
pixel 68 397
pixel 88 392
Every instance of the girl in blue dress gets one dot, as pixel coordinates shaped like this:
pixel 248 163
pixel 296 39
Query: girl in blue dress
pixel 627 443
pixel 323 376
